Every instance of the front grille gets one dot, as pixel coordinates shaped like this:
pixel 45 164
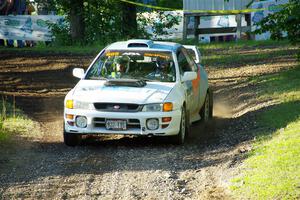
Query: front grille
pixel 131 123
pixel 118 107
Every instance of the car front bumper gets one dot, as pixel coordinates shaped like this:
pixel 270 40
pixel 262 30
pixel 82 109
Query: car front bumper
pixel 136 122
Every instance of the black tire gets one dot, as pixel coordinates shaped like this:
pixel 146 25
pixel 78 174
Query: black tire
pixel 206 111
pixel 71 139
pixel 183 130
pixel 211 104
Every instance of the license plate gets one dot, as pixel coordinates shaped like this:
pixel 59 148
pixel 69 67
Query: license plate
pixel 116 124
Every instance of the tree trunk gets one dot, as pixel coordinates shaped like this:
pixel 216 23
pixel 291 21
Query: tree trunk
pixel 129 22
pixel 77 20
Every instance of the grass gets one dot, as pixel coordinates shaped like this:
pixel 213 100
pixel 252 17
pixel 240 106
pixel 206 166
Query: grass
pixel 283 86
pixel 13 122
pixel 234 57
pixel 272 169
pixel 242 44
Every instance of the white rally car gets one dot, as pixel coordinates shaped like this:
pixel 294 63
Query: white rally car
pixel 138 87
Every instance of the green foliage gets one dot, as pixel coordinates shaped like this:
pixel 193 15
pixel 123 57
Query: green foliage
pixel 103 23
pixel 177 4
pixel 158 21
pixel 61 34
pixel 287 20
pixel 272 170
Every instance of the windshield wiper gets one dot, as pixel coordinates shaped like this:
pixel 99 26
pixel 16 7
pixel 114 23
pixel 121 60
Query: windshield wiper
pixel 146 79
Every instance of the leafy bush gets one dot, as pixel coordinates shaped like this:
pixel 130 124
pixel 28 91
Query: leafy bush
pixel 61 33
pixel 287 20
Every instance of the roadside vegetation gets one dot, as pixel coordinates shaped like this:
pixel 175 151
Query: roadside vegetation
pixel 271 170
pixel 14 123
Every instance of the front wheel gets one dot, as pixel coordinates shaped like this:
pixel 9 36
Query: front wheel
pixel 180 138
pixel 71 139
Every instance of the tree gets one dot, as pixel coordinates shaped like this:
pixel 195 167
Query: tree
pixel 176 4
pixel 129 22
pixel 104 21
pixel 287 20
pixel 73 9
pixel 77 24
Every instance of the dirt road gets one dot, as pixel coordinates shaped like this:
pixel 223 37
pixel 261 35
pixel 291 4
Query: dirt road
pixel 122 167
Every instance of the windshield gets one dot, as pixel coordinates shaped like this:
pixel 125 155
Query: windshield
pixel 128 64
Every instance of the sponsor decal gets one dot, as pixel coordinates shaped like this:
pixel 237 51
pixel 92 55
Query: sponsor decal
pixel 12 22
pixel 42 23
pixel 28 27
pixel 131 54
pixel 164 56
pixel 111 54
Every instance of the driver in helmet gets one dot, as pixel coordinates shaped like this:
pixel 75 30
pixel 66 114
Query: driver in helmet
pixel 162 70
pixel 121 66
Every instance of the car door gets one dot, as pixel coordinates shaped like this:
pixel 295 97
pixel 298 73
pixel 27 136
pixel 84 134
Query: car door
pixel 196 84
pixel 202 79
pixel 187 64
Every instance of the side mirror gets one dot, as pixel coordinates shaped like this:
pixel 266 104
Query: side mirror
pixel 189 76
pixel 78 72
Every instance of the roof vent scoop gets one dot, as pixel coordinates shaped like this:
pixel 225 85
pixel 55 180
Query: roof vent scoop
pixel 139 43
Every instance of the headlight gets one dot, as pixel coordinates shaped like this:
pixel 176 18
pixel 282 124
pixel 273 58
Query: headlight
pixel 152 124
pixel 157 107
pixel 81 121
pixel 153 107
pixel 83 105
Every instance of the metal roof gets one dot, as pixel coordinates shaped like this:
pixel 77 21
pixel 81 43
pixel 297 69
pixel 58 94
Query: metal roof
pixel 215 4
pixel 151 45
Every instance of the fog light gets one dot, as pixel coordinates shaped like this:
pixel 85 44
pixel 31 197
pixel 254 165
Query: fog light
pixel 81 121
pixel 152 124
pixel 71 123
pixel 164 126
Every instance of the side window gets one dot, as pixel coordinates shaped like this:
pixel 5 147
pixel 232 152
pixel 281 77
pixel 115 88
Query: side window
pixel 200 56
pixel 190 60
pixel 183 63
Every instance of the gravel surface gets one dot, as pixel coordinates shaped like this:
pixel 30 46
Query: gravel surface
pixel 124 167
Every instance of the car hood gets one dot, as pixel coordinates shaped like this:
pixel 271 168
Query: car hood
pixel 96 91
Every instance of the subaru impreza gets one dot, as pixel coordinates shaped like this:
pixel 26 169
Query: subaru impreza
pixel 141 88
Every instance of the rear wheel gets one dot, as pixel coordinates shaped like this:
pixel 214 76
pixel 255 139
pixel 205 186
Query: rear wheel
pixel 184 126
pixel 207 108
pixel 211 104
pixel 71 139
